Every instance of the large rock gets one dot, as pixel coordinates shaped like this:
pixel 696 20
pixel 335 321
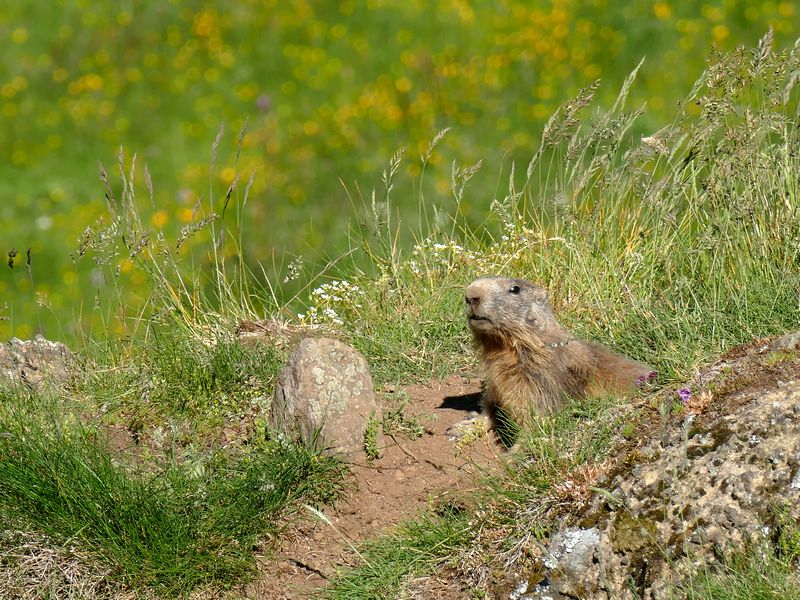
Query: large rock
pixel 325 394
pixel 33 362
pixel 724 477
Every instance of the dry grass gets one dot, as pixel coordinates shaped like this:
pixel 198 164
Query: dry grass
pixel 33 566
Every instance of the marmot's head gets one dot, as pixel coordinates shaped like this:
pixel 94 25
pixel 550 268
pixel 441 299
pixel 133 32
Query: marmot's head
pixel 508 309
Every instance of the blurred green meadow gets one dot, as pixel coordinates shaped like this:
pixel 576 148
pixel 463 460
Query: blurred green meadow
pixel 296 107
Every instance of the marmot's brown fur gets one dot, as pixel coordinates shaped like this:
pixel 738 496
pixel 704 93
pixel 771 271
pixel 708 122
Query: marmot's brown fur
pixel 531 364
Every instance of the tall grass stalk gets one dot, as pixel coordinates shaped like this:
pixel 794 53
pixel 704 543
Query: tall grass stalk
pixel 670 248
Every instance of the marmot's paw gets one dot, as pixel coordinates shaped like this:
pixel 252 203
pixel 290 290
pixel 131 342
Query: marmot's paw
pixel 467 431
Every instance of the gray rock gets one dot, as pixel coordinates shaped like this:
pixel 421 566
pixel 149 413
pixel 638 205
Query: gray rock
pixel 34 362
pixel 693 495
pixel 325 394
pixel 790 341
pixel 572 550
pixel 570 556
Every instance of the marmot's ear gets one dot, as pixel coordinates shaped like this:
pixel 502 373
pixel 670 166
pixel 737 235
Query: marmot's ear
pixel 537 309
pixel 539 295
pixel 537 306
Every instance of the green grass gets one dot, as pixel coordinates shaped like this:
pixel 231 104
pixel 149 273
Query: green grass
pixel 165 525
pixel 415 548
pixel 328 91
pixel 173 375
pixel 669 249
pixel 765 570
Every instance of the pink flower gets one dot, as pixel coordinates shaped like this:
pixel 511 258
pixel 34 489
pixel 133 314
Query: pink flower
pixel 649 378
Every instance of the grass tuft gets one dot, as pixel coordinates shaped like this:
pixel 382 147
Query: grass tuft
pixel 173 529
pixel 390 561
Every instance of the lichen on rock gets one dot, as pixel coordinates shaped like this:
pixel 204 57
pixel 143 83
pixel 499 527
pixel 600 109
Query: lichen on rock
pixel 35 362
pixel 325 394
pixel 709 485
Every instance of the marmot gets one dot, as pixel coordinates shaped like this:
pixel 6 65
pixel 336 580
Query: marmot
pixel 531 364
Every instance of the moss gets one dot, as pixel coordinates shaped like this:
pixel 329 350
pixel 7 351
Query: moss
pixel 656 514
pixel 720 434
pixel 780 356
pixel 628 431
pixel 632 459
pixel 632 534
pixel 637 537
pixel 371 437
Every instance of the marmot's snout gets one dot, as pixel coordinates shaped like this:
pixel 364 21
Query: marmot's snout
pixel 490 300
pixel 472 301
pixel 475 304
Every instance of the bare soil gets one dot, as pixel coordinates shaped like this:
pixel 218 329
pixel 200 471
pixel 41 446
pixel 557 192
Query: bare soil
pixel 409 477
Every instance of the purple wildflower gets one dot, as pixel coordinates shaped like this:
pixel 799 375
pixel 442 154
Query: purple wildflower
pixel 685 395
pixel 649 378
pixel 263 103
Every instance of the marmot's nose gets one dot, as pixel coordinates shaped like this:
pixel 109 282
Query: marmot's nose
pixel 473 295
pixel 472 300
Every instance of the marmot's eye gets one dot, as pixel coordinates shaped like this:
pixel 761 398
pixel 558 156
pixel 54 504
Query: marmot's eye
pixel 514 289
